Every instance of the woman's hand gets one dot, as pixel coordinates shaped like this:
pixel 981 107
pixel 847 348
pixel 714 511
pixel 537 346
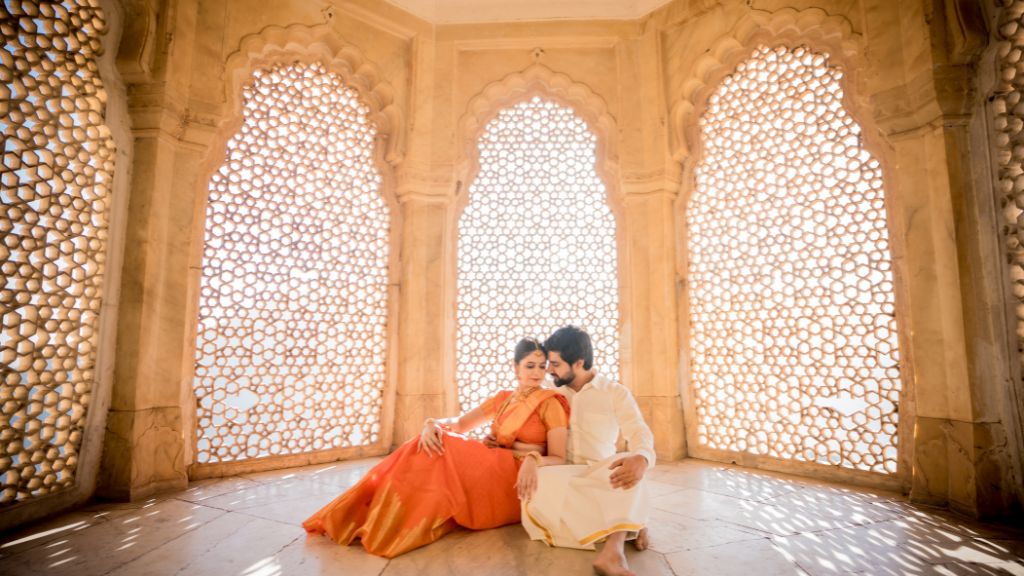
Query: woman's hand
pixel 430 439
pixel 526 484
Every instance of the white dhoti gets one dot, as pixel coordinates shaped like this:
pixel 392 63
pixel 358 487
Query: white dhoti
pixel 575 506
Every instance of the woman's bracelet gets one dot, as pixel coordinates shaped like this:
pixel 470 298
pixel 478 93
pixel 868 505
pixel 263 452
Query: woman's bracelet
pixel 537 458
pixel 432 421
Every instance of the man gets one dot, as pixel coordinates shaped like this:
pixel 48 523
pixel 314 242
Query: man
pixel 600 496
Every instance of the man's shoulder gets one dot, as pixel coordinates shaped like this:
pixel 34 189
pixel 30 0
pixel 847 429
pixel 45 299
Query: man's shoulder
pixel 603 383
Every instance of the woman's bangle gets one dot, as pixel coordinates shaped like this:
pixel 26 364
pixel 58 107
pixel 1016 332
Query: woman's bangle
pixel 537 458
pixel 434 422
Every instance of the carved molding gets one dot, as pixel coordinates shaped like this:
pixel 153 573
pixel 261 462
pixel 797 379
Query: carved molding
pixel 135 54
pixel 537 80
pixel 320 43
pixel 812 26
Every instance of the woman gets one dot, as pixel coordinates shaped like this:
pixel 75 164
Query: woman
pixel 442 480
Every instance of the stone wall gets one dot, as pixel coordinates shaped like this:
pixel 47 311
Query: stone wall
pixel 912 73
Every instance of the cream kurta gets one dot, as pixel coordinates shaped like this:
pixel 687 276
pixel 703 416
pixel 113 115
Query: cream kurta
pixel 575 505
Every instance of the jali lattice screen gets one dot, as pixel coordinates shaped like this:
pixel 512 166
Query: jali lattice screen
pixel 794 343
pixel 537 246
pixel 58 160
pixel 291 339
pixel 1009 123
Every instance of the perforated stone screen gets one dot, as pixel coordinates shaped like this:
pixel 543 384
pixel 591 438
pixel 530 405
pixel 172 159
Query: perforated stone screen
pixel 1009 124
pixel 291 341
pixel 58 160
pixel 794 342
pixel 537 246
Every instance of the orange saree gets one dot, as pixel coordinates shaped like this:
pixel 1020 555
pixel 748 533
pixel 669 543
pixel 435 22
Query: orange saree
pixel 411 499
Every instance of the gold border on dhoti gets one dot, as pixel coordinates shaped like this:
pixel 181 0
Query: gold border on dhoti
pixel 547 533
pixel 616 528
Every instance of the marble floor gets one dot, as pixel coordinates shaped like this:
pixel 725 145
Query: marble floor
pixel 709 518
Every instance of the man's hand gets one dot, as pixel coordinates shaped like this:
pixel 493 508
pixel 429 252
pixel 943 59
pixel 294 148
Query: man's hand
pixel 626 472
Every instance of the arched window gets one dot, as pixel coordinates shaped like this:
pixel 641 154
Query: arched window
pixel 291 338
pixel 537 246
pixel 793 331
pixel 58 161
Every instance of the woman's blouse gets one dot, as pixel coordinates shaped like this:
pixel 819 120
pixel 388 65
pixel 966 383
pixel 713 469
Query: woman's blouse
pixel 552 413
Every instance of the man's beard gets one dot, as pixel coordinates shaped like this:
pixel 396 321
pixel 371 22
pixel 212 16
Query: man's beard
pixel 569 379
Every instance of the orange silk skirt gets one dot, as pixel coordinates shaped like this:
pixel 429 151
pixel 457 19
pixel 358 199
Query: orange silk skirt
pixel 411 499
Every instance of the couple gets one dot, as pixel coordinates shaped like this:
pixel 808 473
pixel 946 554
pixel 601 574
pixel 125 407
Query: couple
pixel 441 480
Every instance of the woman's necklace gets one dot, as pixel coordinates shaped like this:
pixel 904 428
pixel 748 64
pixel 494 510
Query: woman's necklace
pixel 522 394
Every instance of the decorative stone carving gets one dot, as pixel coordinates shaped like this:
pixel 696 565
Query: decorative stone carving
pixel 811 26
pixel 792 310
pixel 320 43
pixel 291 344
pixel 58 163
pixel 539 80
pixel 537 246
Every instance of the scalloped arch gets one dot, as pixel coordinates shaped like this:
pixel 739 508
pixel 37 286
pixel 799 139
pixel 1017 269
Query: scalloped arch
pixel 319 43
pixel 538 80
pixel 812 26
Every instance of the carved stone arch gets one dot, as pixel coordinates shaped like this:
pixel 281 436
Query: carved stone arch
pixel 813 27
pixel 320 43
pixel 820 32
pixel 301 44
pixel 538 80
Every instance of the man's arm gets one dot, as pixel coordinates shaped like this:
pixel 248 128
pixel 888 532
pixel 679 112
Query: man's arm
pixel 639 439
pixel 629 470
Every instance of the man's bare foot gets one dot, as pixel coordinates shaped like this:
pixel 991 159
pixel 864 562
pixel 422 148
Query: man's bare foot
pixel 642 540
pixel 612 565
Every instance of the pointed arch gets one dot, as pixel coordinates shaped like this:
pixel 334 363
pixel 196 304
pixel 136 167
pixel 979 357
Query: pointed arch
pixel 316 47
pixel 538 80
pixel 320 43
pixel 813 27
pixel 540 87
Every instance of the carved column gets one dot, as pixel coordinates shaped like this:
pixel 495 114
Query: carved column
pixel 925 104
pixel 649 186
pixel 423 308
pixel 144 446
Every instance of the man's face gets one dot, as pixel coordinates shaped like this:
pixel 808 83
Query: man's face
pixel 561 372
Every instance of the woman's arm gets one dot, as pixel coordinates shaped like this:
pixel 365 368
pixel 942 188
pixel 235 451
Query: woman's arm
pixel 555 448
pixel 430 435
pixel 526 483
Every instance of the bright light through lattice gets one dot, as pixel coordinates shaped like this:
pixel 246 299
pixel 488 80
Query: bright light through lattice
pixel 58 160
pixel 536 246
pixel 293 300
pixel 793 332
pixel 1009 124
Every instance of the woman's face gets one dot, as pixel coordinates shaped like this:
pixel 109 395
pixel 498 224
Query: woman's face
pixel 530 371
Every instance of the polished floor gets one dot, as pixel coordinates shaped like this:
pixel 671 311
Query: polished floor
pixel 709 519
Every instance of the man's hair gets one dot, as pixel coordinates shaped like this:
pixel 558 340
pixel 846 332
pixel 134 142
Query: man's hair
pixel 572 344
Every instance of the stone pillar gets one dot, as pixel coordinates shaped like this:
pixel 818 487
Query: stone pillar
pixel 144 445
pixel 651 324
pixel 423 384
pixel 925 104
pixel 649 186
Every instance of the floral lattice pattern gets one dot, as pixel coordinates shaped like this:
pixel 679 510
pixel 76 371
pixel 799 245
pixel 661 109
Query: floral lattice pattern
pixel 58 161
pixel 537 246
pixel 793 331
pixel 1009 123
pixel 291 340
